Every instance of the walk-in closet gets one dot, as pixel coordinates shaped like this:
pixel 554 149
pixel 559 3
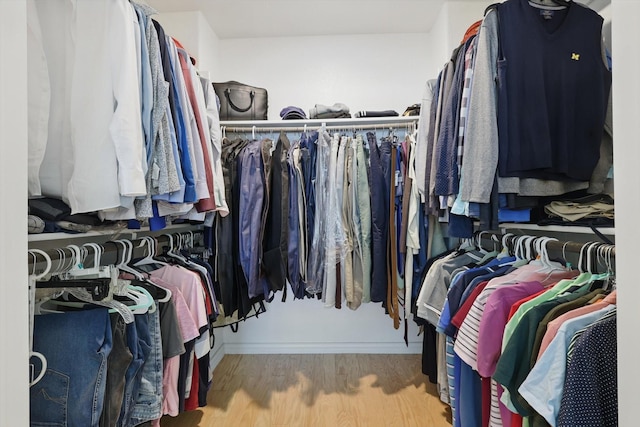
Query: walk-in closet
pixel 340 260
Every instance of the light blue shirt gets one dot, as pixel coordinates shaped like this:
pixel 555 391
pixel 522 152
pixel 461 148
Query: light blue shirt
pixel 182 136
pixel 543 386
pixel 146 87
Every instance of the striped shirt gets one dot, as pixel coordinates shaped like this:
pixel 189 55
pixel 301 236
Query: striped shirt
pixel 466 95
pixel 467 338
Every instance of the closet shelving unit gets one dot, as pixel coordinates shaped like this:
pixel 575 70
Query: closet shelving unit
pixel 55 240
pixel 127 233
pixel 381 123
pixel 554 229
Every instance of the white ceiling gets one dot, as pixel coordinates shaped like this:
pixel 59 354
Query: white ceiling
pixel 279 18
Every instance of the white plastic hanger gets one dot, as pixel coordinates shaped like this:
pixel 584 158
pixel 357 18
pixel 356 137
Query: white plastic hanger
pixel 172 249
pixel 150 242
pixel 33 278
pixel 61 267
pixel 142 300
pixel 505 245
pixel 78 270
pixel 519 251
pixel 127 252
pixel 547 266
pixel 85 296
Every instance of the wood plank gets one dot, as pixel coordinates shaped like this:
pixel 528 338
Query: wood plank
pixel 318 390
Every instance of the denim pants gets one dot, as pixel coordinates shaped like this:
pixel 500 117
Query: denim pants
pixel 76 346
pixel 118 363
pixel 380 160
pixel 334 237
pixel 148 401
pixel 360 219
pixel 139 342
pixel 316 271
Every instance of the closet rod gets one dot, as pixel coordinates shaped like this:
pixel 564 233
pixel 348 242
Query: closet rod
pixel 303 129
pixel 302 125
pixel 112 252
pixel 558 247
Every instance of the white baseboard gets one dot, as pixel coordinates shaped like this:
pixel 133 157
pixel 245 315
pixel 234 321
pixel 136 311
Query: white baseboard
pixel 322 348
pixel 217 356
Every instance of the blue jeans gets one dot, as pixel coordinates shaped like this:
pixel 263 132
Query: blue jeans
pixel 139 342
pixel 117 363
pixel 76 345
pixel 380 174
pixel 315 270
pixel 148 401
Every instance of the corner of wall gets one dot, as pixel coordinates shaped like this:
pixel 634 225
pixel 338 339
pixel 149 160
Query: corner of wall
pixel 180 25
pixel 439 40
pixel 197 36
pixel 453 20
pixel 208 48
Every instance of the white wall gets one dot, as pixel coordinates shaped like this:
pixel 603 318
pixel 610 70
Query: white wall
pixel 626 92
pixel 193 31
pixel 460 15
pixel 183 26
pixel 305 326
pixel 14 320
pixel 439 47
pixel 454 19
pixel 208 49
pixel 374 72
pixel 365 72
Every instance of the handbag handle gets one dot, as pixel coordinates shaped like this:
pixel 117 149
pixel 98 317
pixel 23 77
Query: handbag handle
pixel 227 94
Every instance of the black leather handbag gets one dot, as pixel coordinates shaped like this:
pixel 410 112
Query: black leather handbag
pixel 239 101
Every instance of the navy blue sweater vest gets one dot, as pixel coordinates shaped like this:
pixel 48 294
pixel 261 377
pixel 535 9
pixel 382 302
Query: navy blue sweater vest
pixel 553 88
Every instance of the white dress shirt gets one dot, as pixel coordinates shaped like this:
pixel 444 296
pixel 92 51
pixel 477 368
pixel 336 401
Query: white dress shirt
pixel 94 147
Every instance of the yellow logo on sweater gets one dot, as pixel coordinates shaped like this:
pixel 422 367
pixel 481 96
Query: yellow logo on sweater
pixel 575 56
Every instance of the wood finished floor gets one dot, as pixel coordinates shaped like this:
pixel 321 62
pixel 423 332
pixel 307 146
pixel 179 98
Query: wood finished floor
pixel 318 390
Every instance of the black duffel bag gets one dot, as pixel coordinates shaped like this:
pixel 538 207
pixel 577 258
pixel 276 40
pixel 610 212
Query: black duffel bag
pixel 241 102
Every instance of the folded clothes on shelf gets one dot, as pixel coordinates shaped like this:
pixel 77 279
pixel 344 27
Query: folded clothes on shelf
pixel 335 111
pixel 383 113
pixel 596 206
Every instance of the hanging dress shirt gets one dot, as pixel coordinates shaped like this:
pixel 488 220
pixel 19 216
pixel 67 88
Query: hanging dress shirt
pixel 94 155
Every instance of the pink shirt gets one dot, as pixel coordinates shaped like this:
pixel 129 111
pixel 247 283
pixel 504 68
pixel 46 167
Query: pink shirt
pixel 493 322
pixel 189 284
pixel 171 400
pixel 186 320
pixel 554 325
pixel 466 345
